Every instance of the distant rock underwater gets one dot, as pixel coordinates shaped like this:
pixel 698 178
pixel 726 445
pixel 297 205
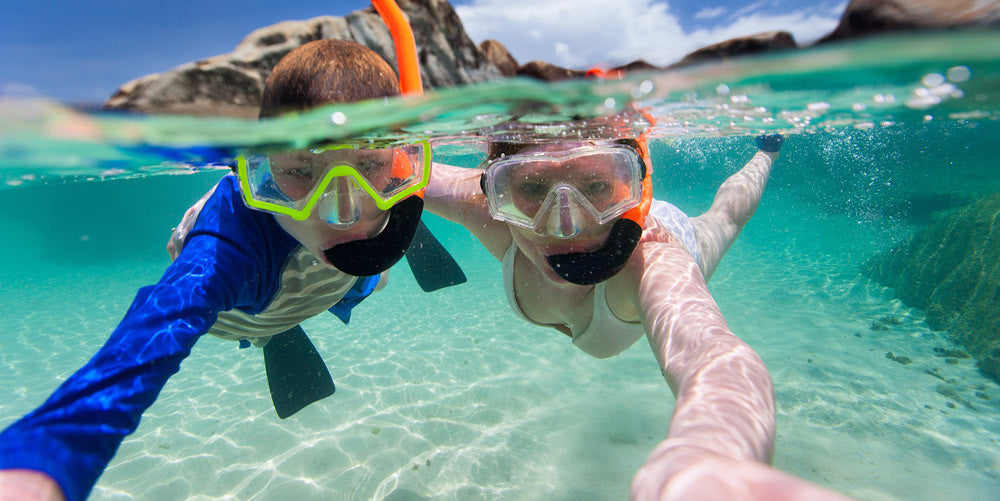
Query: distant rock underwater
pixel 951 270
pixel 231 84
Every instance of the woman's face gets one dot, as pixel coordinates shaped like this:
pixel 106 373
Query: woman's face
pixel 591 236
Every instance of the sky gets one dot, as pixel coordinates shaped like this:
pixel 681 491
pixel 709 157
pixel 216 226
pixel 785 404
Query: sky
pixel 81 51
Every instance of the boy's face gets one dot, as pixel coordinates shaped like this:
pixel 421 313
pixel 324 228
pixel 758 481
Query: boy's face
pixel 317 235
pixel 296 173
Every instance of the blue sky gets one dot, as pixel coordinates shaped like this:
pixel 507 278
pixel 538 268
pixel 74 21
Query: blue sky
pixel 81 51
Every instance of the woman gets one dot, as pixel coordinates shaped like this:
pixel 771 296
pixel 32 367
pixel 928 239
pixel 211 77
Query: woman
pixel 585 250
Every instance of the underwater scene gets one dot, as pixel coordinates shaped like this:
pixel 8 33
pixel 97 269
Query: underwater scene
pixel 868 281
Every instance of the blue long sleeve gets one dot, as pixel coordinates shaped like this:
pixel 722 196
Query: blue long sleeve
pixel 229 261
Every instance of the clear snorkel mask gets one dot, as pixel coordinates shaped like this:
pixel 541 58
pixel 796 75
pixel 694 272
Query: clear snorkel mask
pixel 561 193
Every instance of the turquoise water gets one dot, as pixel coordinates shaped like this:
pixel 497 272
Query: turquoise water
pixel 457 398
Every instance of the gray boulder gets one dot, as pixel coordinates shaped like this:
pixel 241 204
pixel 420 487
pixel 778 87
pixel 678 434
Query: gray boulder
pixel 864 18
pixel 548 71
pixel 231 84
pixel 740 46
pixel 951 270
pixel 497 54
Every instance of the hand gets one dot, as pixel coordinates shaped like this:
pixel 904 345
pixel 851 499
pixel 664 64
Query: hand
pixel 683 473
pixel 179 234
pixel 23 485
pixel 770 143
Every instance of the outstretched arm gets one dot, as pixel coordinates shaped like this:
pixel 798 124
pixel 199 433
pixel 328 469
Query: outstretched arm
pixel 73 435
pixel 735 202
pixel 454 194
pixel 722 431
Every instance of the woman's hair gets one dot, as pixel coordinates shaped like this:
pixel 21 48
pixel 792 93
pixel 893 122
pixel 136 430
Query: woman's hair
pixel 325 72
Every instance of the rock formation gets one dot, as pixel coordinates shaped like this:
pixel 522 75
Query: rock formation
pixel 872 17
pixel 497 54
pixel 951 270
pixel 548 72
pixel 231 84
pixel 740 46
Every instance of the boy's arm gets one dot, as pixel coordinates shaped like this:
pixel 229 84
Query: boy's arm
pixel 74 434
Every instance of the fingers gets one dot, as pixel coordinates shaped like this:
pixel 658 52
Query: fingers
pixel 770 143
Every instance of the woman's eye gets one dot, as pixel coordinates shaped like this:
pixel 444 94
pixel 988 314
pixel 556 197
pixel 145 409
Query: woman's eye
pixel 598 187
pixel 533 190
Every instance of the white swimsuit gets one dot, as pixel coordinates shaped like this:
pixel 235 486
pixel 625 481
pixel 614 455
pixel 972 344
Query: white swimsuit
pixel 607 335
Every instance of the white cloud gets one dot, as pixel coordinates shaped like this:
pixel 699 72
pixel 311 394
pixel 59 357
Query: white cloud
pixel 710 12
pixel 583 33
pixel 18 89
pixel 745 10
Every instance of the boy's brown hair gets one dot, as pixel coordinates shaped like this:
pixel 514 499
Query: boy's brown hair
pixel 325 72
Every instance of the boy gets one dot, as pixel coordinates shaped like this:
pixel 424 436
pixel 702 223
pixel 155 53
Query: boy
pixel 294 235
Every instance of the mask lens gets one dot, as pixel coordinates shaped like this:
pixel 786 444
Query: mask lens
pixel 296 182
pixel 602 181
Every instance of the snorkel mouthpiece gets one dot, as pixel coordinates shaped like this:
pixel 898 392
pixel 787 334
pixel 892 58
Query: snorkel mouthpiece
pixel 363 258
pixel 588 268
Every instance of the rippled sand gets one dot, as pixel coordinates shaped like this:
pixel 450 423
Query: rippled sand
pixel 449 396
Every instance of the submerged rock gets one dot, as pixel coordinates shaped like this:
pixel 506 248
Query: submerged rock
pixel 864 18
pixel 231 84
pixel 951 270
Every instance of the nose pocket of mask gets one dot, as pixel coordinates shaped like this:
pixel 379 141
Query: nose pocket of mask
pixel 563 214
pixel 341 204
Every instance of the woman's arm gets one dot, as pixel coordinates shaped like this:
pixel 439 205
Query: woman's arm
pixel 735 202
pixel 722 431
pixel 725 401
pixel 455 195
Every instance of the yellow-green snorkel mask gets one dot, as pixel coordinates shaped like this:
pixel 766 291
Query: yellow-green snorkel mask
pixel 334 180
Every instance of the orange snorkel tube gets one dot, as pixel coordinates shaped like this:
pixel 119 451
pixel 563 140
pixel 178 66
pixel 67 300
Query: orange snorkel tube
pixel 406 47
pixel 406 55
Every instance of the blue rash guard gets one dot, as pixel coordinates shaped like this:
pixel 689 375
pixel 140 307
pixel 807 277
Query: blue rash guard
pixel 232 259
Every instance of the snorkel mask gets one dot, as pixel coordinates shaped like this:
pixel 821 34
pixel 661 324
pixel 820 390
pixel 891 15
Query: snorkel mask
pixel 560 194
pixel 336 181
pixel 587 268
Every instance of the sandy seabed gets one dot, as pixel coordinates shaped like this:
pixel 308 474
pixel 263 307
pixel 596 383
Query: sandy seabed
pixel 449 396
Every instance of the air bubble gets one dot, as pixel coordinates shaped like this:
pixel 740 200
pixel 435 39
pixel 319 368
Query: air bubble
pixel 932 79
pixel 958 73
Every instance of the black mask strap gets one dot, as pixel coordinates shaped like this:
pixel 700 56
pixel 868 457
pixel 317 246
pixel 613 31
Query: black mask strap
pixel 588 268
pixel 363 258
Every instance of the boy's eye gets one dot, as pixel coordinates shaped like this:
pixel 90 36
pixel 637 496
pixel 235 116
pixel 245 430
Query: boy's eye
pixel 299 173
pixel 368 166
